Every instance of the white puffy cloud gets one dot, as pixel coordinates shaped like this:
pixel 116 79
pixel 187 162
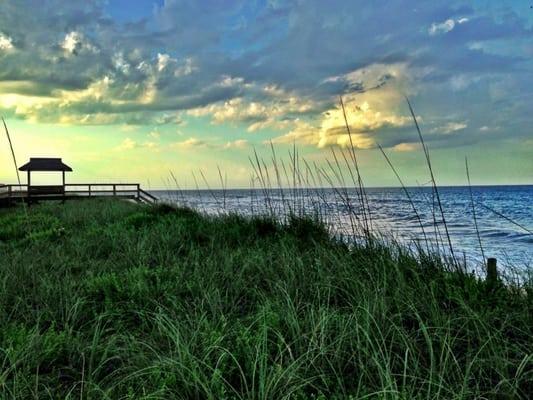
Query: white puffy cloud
pixel 364 122
pixel 70 42
pixel 261 113
pixel 162 61
pixel 302 132
pixel 445 26
pixel 370 108
pixel 74 42
pixel 442 27
pixel 120 63
pixel 6 43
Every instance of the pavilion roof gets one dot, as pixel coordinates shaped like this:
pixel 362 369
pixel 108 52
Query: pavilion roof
pixel 45 164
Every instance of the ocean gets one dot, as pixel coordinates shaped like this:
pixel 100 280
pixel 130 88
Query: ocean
pixel 504 215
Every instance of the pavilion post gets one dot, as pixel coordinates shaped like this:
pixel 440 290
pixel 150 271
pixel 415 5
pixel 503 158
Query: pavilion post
pixel 28 185
pixel 63 175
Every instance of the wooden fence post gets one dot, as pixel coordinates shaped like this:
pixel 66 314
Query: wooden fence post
pixel 492 271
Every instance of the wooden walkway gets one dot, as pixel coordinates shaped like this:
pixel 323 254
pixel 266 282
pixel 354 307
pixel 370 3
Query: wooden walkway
pixel 13 193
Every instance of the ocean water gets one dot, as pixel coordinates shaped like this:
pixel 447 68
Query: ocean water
pixel 392 215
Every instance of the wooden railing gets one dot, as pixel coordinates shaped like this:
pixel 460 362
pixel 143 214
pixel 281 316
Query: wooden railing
pixel 12 190
pixel 124 190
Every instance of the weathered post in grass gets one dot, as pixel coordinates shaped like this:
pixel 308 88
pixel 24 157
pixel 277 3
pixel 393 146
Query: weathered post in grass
pixel 492 271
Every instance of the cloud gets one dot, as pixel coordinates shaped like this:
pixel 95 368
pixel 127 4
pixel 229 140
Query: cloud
pixel 278 109
pixel 236 144
pixel 192 143
pixel 302 133
pixel 154 134
pixel 127 144
pixel 275 69
pixel 450 127
pixel 486 128
pixel 405 147
pixel 263 107
pixel 6 43
pixel 162 61
pixel 74 43
pixel 446 26
pixel 443 27
pixel 364 122
pixel 370 111
pixel 189 144
pixel 130 144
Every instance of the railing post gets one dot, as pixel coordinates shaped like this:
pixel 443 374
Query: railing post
pixel 492 271
pixel 9 191
pixel 114 190
pixel 89 186
pixel 138 191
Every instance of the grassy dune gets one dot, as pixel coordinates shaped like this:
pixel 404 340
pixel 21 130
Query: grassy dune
pixel 111 300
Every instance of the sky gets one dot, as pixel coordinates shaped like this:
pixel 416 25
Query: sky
pixel 128 91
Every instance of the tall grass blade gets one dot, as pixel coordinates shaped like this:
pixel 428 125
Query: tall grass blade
pixel 12 151
pixel 366 208
pixel 506 218
pixel 473 208
pixel 406 193
pixel 435 188
pixel 27 217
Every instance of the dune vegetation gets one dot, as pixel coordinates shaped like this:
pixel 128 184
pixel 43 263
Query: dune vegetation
pixel 104 299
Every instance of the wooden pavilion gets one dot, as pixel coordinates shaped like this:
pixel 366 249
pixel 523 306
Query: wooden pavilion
pixel 45 165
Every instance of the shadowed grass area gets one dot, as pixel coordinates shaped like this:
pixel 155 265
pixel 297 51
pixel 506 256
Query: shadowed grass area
pixel 107 299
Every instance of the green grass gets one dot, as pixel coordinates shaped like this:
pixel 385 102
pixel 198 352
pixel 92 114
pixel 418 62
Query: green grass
pixel 111 300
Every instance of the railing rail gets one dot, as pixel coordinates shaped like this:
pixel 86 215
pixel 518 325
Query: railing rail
pixel 148 195
pixel 101 184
